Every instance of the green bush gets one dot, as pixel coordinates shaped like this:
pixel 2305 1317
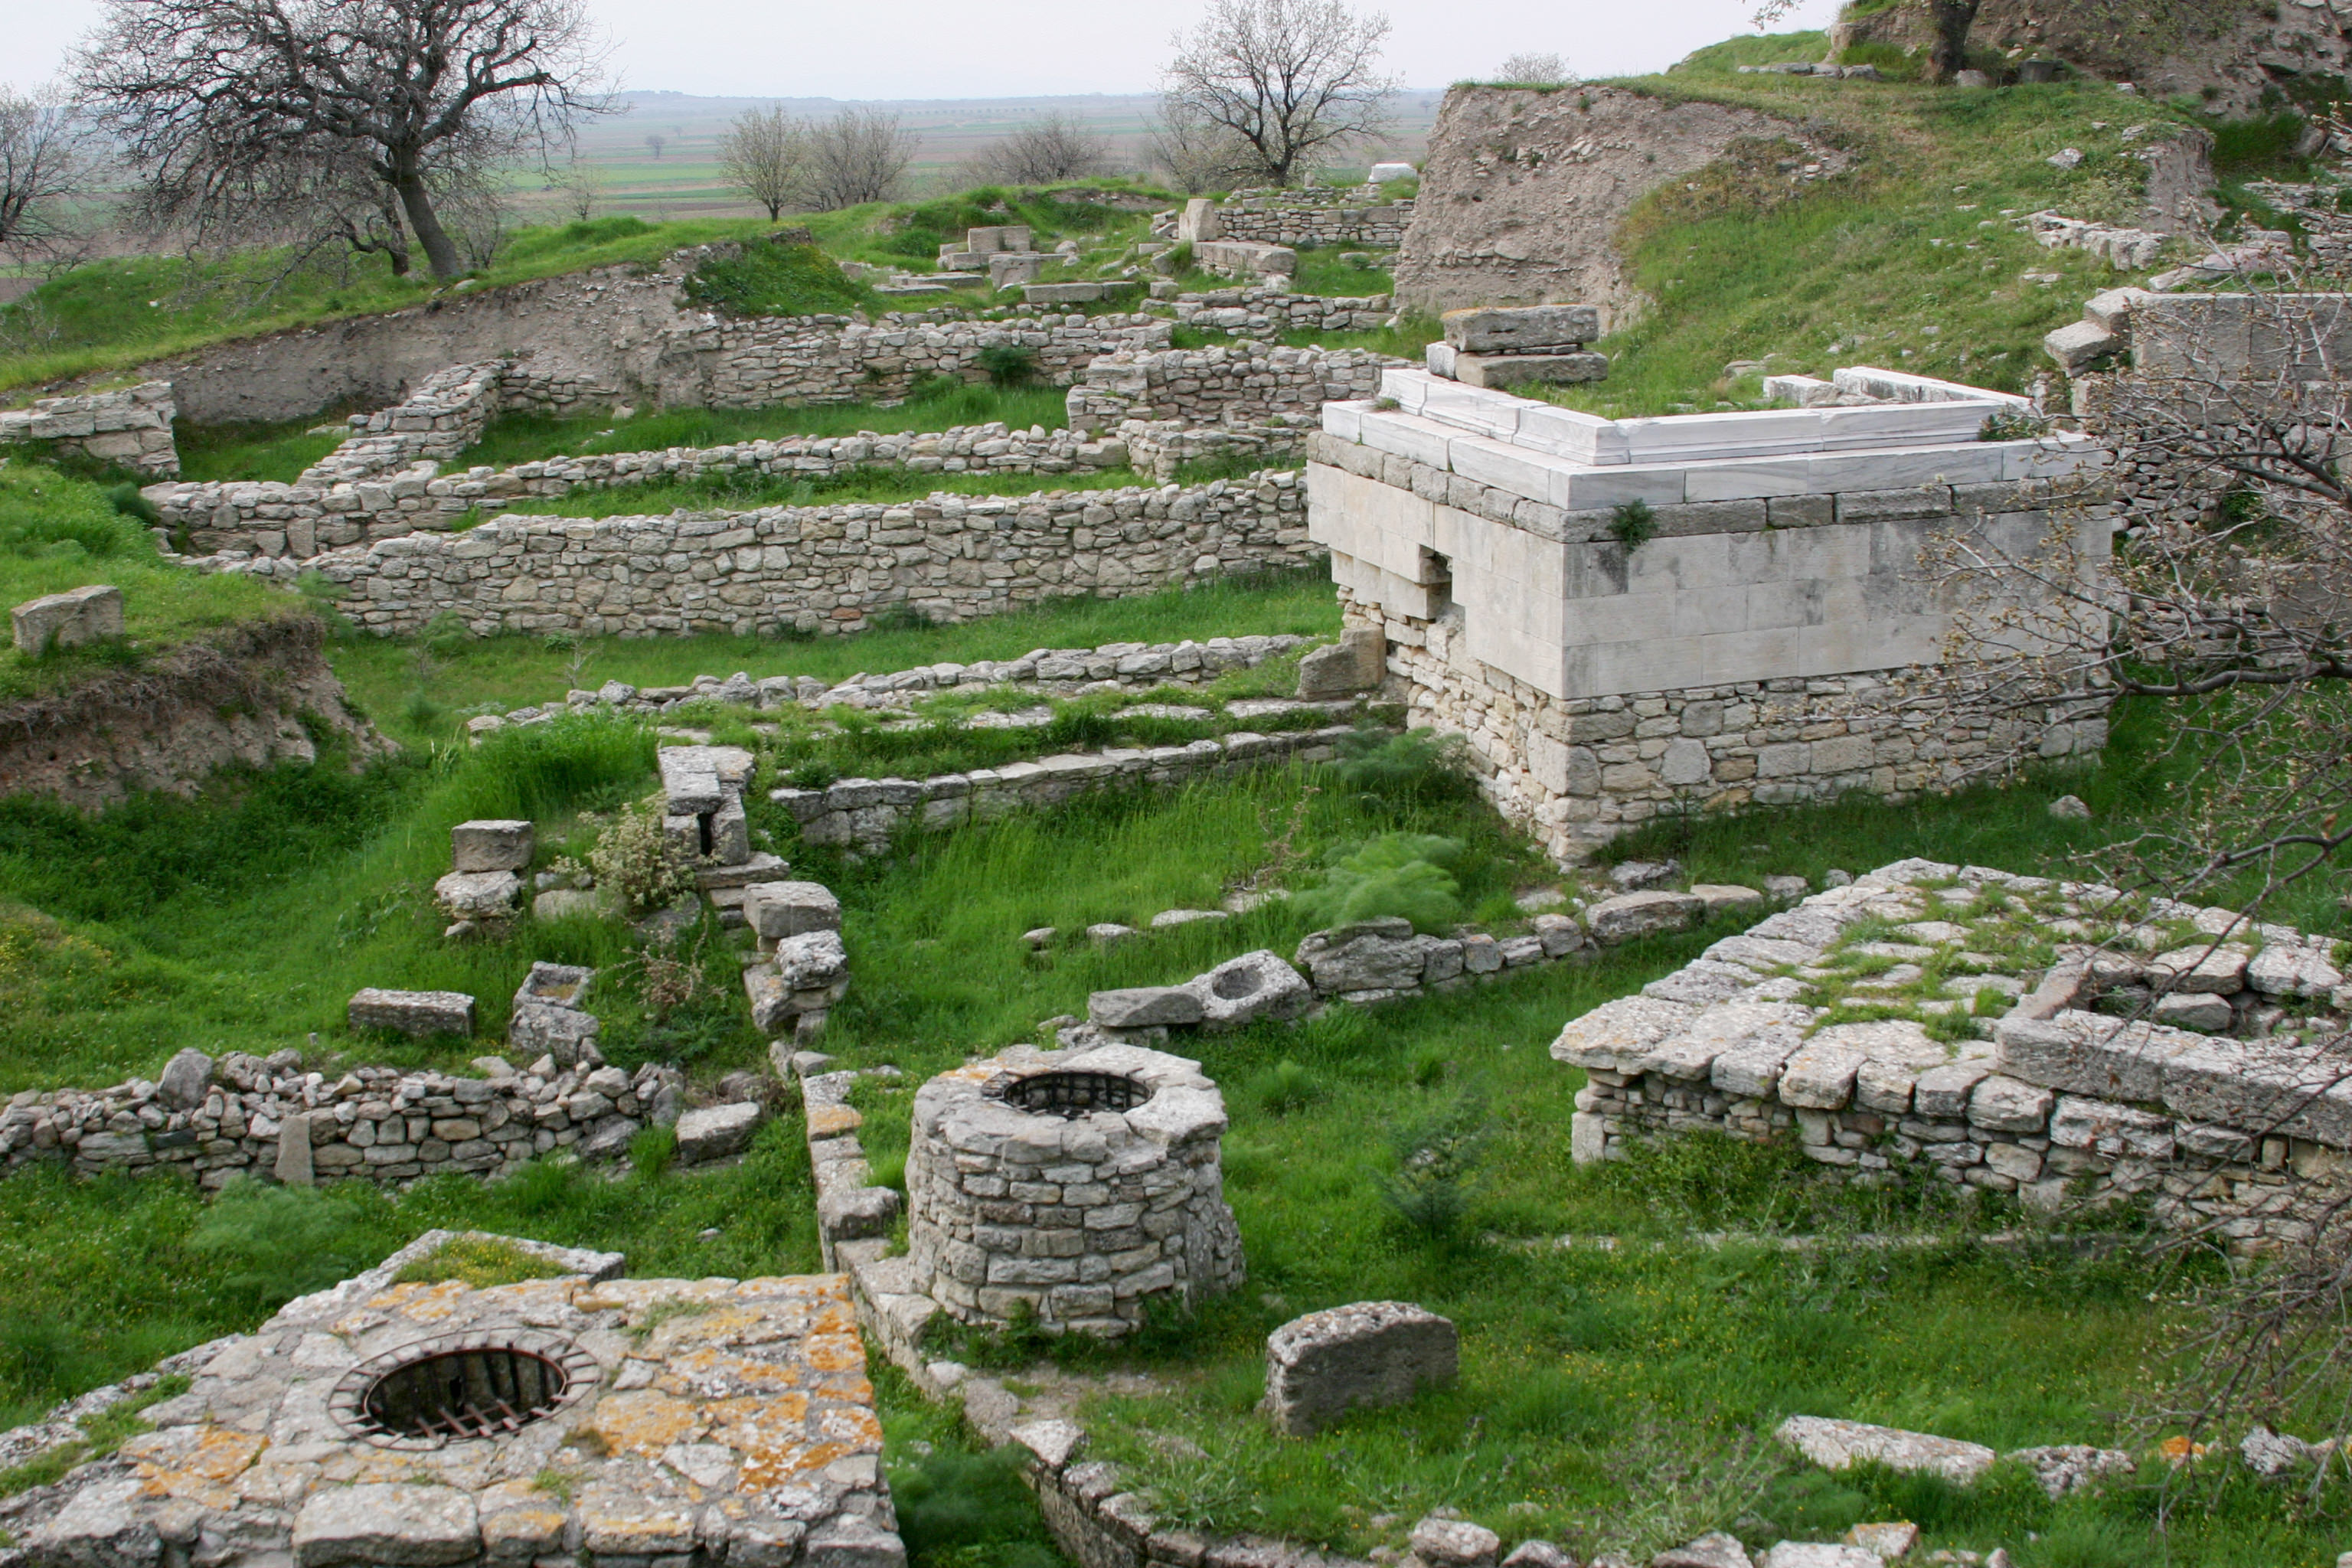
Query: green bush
pixel 1395 874
pixel 636 861
pixel 1284 1088
pixel 1007 364
pixel 1434 1160
pixel 1418 765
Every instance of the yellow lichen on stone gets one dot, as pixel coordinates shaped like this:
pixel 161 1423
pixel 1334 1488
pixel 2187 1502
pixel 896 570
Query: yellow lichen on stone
pixel 644 1421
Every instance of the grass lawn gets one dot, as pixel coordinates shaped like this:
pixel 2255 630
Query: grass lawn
pixel 385 676
pixel 1609 1398
pixel 253 451
pixel 523 438
pixel 59 532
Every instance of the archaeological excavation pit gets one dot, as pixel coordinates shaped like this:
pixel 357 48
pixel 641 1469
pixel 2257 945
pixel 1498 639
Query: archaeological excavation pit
pixel 1069 1189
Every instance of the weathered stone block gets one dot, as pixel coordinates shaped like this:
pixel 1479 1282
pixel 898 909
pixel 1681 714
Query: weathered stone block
pixel 1502 372
pixel 1369 1353
pixel 490 845
pixel 780 910
pixel 395 1525
pixel 1143 1007
pixel 1255 986
pixel 716 1132
pixel 478 895
pixel 71 619
pixel 1354 664
pixel 1520 328
pixel 1631 915
pixel 414 1013
pixel 1833 1444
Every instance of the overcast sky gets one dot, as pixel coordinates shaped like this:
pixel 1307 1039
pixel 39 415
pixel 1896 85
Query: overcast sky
pixel 975 48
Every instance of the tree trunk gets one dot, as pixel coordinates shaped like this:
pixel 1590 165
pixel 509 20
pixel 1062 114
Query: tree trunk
pixel 440 251
pixel 1949 54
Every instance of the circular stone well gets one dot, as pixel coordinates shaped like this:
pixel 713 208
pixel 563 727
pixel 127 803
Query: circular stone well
pixel 1069 1188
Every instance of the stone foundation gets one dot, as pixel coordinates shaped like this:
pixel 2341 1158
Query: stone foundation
pixel 1306 218
pixel 1240 383
pixel 1998 1077
pixel 816 569
pixel 131 429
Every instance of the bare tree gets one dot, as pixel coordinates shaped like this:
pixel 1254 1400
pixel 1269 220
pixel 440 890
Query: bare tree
pixel 657 142
pixel 1058 147
pixel 859 155
pixel 50 167
pixel 1199 157
pixel 1545 69
pixel 204 95
pixel 762 154
pixel 581 188
pixel 1288 79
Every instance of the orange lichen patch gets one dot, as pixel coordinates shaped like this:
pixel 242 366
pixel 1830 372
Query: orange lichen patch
pixel 832 1120
pixel 644 1421
pixel 752 1425
pixel 423 1303
pixel 847 1423
pixel 519 1521
pixel 779 1463
pixel 2178 1449
pixel 855 1387
pixel 721 1375
pixel 837 1351
pixel 534 1298
pixel 627 1523
pixel 634 1296
pixel 730 1325
pixel 197 1463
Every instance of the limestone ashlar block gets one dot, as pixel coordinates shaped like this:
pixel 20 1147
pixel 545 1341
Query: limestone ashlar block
pixel 1143 1006
pixel 413 1013
pixel 74 619
pixel 779 910
pixel 1520 328
pixel 1504 371
pixel 490 845
pixel 1368 1355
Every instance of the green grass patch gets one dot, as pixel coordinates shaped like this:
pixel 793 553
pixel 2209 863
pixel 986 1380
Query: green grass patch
pixel 477 1262
pixel 386 676
pixel 254 451
pixel 59 532
pixel 1321 271
pixel 156 1267
pixel 772 279
pixel 936 406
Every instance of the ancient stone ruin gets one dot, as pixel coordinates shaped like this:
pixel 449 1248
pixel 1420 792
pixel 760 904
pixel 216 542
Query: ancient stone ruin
pixel 1070 1189
pixel 579 1418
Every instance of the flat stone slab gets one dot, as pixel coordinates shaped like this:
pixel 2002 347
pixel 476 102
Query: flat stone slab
pixel 779 910
pixel 716 1132
pixel 1364 1355
pixel 1833 1444
pixel 414 1013
pixel 396 1525
pixel 1631 915
pixel 1517 329
pixel 1143 1007
pixel 1502 372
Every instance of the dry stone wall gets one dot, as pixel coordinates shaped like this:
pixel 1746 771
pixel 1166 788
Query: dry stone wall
pixel 1989 1070
pixel 1267 312
pixel 132 427
pixel 1243 383
pixel 327 511
pixel 1316 217
pixel 819 569
pixel 623 334
pixel 243 1115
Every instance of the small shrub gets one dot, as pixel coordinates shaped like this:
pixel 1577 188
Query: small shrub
pixel 651 1151
pixel 1435 1166
pixel 1007 364
pixel 125 499
pixel 1420 765
pixel 1284 1088
pixel 1395 874
pixel 1633 524
pixel 639 863
pixel 887 1171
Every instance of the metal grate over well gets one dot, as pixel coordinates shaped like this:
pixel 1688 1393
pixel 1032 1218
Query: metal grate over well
pixel 1071 1094
pixel 461 1387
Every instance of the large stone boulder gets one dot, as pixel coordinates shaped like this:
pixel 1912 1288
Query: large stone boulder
pixel 186 1078
pixel 478 895
pixel 1354 663
pixel 1143 1007
pixel 74 619
pixel 1367 1354
pixel 778 910
pixel 1370 955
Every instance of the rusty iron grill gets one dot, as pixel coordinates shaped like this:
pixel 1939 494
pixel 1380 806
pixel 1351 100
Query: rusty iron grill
pixel 481 1392
pixel 1071 1094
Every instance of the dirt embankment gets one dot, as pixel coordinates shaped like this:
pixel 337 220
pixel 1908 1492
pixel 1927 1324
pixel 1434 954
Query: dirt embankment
pixel 170 723
pixel 1524 191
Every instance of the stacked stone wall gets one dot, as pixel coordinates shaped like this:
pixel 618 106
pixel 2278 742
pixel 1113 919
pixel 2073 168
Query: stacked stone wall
pixel 1316 217
pixel 324 511
pixel 131 427
pixel 1266 312
pixel 375 1124
pixel 817 569
pixel 1243 383
pixel 433 423
pixel 2243 1133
